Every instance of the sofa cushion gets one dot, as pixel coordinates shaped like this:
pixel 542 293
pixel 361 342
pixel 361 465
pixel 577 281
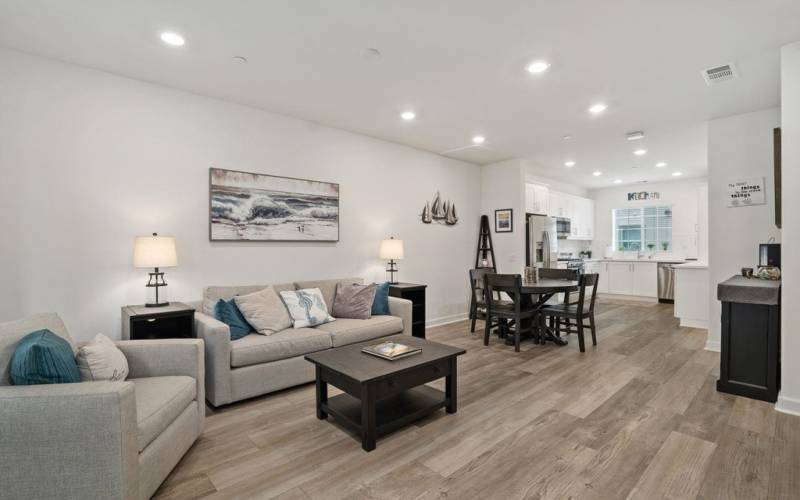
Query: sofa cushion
pixel 13 331
pixel 159 401
pixel 257 349
pixel 349 331
pixel 327 287
pixel 353 301
pixel 211 294
pixel 264 310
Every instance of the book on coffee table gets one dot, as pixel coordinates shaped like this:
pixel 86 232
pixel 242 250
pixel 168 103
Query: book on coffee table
pixel 391 350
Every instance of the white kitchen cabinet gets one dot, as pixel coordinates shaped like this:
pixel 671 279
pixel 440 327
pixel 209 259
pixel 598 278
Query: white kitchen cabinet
pixel 620 278
pixel 601 269
pixel 645 279
pixel 561 205
pixel 582 227
pixel 537 199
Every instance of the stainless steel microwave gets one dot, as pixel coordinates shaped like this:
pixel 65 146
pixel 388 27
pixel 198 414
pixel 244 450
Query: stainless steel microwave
pixel 563 227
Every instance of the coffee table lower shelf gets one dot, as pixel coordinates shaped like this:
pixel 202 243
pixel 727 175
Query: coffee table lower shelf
pixel 391 413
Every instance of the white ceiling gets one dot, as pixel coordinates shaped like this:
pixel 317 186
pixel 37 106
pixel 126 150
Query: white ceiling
pixel 458 63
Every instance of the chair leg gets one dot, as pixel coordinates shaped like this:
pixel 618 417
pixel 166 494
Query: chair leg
pixel 581 343
pixel 594 330
pixel 516 335
pixel 487 328
pixel 472 325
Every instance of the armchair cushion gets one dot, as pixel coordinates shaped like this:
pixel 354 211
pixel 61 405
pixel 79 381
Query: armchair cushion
pixel 43 357
pixel 159 401
pixel 13 331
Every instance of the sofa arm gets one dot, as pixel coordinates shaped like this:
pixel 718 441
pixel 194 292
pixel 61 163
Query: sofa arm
pixel 165 357
pixel 402 308
pixel 69 441
pixel 217 337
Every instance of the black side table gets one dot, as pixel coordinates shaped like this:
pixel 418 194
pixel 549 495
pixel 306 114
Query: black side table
pixel 416 294
pixel 168 322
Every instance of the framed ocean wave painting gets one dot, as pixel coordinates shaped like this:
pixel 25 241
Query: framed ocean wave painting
pixel 245 206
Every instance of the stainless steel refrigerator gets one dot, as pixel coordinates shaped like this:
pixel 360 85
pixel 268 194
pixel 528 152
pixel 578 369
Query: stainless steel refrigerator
pixel 542 241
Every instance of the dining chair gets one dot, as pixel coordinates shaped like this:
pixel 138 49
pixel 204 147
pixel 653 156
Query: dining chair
pixel 573 315
pixel 510 284
pixel 559 274
pixel 477 303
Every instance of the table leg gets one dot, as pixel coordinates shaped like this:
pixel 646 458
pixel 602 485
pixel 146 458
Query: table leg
pixel 451 389
pixel 322 395
pixel 367 418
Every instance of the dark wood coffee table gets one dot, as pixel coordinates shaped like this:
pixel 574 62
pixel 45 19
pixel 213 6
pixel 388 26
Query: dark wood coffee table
pixel 381 396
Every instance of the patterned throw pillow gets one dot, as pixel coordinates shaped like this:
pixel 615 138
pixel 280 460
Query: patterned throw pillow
pixel 101 359
pixel 306 307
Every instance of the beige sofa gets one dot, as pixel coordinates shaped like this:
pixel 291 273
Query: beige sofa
pixel 260 364
pixel 99 439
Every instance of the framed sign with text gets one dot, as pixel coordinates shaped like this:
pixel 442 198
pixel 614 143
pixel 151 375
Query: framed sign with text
pixel 746 192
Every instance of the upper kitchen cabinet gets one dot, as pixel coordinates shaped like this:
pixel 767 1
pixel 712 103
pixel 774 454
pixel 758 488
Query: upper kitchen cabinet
pixel 582 220
pixel 537 199
pixel 561 205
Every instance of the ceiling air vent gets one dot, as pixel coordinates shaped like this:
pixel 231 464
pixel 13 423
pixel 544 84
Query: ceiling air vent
pixel 719 74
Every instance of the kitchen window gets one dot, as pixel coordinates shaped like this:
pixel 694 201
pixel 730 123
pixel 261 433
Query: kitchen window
pixel 643 229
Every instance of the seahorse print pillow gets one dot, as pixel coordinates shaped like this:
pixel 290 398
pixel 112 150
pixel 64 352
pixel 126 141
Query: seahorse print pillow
pixel 306 307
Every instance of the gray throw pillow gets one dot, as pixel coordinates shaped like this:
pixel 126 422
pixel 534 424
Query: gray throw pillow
pixel 353 301
pixel 264 310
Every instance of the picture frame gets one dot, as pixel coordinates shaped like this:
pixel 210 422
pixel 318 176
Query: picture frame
pixel 504 220
pixel 249 206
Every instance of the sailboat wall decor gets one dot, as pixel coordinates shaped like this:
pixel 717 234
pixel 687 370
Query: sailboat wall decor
pixel 439 211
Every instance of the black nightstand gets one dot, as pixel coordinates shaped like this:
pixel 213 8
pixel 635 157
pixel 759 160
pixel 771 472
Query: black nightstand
pixel 416 294
pixel 168 322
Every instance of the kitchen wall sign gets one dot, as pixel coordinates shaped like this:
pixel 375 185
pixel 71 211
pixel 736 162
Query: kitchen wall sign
pixel 644 195
pixel 746 192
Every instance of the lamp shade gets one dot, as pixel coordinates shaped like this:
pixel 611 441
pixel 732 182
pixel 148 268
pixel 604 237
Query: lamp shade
pixel 391 249
pixel 154 251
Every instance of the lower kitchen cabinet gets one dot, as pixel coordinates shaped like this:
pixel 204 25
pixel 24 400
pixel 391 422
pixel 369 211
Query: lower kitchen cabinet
pixel 628 278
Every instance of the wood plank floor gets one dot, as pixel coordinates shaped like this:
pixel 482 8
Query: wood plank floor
pixel 637 416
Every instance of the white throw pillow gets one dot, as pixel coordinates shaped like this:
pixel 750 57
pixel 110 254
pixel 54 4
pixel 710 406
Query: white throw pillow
pixel 307 307
pixel 264 311
pixel 101 359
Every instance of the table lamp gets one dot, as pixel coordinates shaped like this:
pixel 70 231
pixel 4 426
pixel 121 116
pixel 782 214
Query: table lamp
pixel 391 249
pixel 155 252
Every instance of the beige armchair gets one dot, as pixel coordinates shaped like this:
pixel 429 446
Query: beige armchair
pixel 99 439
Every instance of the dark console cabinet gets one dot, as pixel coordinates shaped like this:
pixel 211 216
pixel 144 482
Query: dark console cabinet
pixel 416 294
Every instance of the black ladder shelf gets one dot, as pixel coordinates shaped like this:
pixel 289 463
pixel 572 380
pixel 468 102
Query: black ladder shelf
pixel 484 257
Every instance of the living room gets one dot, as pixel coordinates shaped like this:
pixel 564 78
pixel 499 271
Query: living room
pixel 422 129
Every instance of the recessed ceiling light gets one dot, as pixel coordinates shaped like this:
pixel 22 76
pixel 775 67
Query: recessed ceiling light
pixel 408 115
pixel 634 136
pixel 172 38
pixel 661 164
pixel 239 59
pixel 640 152
pixel 567 137
pixel 569 163
pixel 479 139
pixel 618 181
pixel 676 174
pixel 597 173
pixel 538 67
pixel 597 108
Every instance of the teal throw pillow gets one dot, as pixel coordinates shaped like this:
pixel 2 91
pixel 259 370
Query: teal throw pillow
pixel 380 305
pixel 42 357
pixel 229 313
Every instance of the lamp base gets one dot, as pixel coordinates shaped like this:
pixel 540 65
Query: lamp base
pixel 159 304
pixel 391 268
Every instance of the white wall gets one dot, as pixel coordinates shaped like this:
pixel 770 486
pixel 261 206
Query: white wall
pixel 89 160
pixel 739 147
pixel 503 186
pixel 684 197
pixel 789 398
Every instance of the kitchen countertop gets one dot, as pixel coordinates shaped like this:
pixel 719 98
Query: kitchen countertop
pixel 692 265
pixel 657 260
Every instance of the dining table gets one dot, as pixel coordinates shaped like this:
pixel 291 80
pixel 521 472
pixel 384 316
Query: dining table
pixel 535 294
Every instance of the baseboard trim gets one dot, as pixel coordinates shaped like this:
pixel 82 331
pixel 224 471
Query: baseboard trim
pixel 446 320
pixel 694 323
pixel 632 298
pixel 713 345
pixel 788 405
